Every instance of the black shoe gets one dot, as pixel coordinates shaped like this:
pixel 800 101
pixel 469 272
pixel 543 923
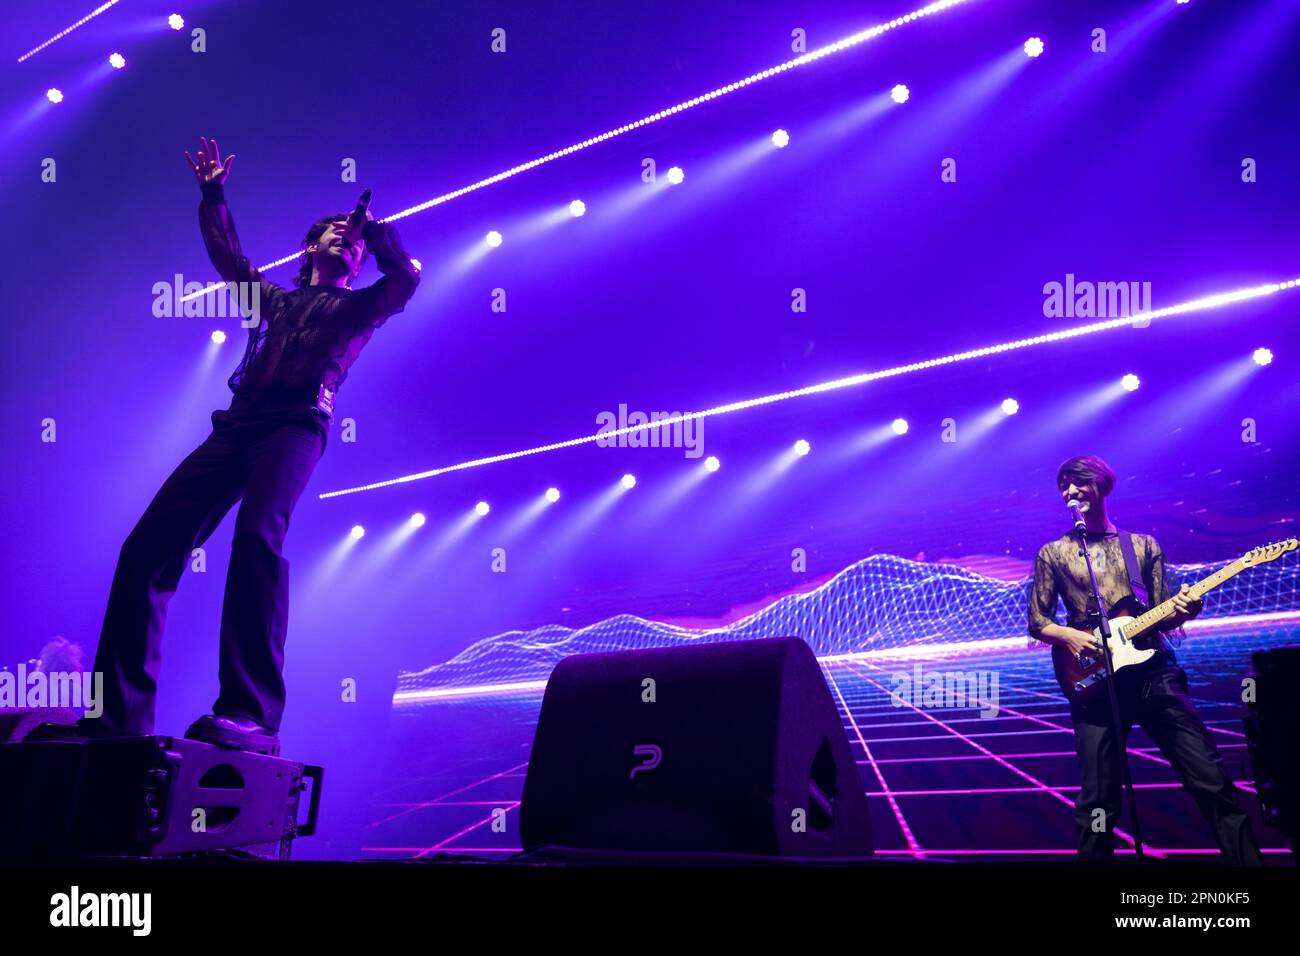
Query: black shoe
pixel 77 733
pixel 235 733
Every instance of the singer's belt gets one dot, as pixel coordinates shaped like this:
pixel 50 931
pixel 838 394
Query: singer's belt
pixel 274 398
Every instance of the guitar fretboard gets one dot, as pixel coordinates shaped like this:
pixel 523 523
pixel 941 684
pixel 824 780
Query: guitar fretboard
pixel 1151 618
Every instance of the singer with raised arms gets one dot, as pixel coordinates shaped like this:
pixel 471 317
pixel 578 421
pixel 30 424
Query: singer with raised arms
pixel 262 449
pixel 1129 568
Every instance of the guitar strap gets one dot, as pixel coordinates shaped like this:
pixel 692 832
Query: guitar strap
pixel 1134 570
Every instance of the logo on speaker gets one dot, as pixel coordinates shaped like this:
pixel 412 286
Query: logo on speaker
pixel 650 751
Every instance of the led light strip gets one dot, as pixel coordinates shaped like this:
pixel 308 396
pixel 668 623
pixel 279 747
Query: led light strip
pixel 829 50
pixel 61 34
pixel 1195 305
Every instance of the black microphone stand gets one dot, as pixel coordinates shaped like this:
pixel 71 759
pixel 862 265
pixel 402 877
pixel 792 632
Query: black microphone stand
pixel 1126 778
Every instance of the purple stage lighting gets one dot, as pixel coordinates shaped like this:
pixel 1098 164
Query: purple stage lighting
pixel 1262 356
pixel 218 336
pixel 577 208
pixel 116 61
pixel 62 33
pixel 628 481
pixel 494 238
pixel 1130 382
pixel 1034 47
pixel 711 463
pixel 54 95
pixel 780 139
pixel 552 495
pixel 482 508
pixel 1216 301
pixel 357 532
pixel 900 94
pixel 417 263
pixel 801 447
pixel 899 426
pixel 830 49
pixel 675 175
pixel 1010 406
pixel 176 21
pixel 417 520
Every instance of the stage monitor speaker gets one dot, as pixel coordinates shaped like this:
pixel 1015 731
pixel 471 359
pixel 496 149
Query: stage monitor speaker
pixel 1273 736
pixel 149 796
pixel 728 748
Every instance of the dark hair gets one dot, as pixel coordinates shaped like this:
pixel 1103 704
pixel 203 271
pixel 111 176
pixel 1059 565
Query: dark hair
pixel 313 235
pixel 1086 470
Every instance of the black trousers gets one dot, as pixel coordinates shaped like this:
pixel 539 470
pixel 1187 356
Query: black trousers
pixel 261 452
pixel 1156 697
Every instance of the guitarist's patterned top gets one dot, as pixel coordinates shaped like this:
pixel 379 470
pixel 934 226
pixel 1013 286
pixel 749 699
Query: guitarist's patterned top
pixel 1060 572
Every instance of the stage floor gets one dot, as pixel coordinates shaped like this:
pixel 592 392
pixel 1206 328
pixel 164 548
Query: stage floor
pixel 941 783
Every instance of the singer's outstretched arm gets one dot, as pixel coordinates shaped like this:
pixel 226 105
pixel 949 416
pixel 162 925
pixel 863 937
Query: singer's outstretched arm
pixel 215 221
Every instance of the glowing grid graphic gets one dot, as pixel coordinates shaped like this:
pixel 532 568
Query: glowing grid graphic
pixel 941 783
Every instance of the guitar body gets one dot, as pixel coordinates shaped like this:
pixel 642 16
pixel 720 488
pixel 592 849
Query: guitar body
pixel 1083 681
pixel 1134 635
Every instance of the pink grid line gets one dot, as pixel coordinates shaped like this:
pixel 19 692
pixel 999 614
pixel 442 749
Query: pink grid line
pixel 417 806
pixel 884 787
pixel 1047 723
pixel 1170 785
pixel 1040 785
pixel 473 826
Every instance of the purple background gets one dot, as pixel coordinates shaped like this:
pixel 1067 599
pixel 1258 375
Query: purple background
pixel 1115 167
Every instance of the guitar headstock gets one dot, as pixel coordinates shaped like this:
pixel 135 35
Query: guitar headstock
pixel 1269 552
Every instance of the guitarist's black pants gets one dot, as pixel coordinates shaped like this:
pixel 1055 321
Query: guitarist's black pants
pixel 1155 696
pixel 263 452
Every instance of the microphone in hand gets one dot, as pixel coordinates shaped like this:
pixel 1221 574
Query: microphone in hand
pixel 357 221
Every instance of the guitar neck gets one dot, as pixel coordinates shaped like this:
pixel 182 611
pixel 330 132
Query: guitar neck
pixel 1151 618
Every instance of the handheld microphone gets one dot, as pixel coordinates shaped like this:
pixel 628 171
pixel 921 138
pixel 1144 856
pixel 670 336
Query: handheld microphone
pixel 358 217
pixel 1077 511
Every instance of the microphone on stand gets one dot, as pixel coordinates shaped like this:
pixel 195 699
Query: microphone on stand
pixel 1077 511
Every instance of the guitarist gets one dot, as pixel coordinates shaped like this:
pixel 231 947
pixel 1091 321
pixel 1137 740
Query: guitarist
pixel 1154 694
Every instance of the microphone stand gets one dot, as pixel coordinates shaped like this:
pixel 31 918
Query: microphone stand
pixel 1126 778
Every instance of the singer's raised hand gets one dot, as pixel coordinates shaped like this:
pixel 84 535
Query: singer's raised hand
pixel 354 232
pixel 209 168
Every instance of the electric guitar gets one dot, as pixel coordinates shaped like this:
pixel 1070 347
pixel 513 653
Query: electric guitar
pixel 1083 678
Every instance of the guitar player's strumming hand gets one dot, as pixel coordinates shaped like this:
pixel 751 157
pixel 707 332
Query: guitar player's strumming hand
pixel 1077 641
